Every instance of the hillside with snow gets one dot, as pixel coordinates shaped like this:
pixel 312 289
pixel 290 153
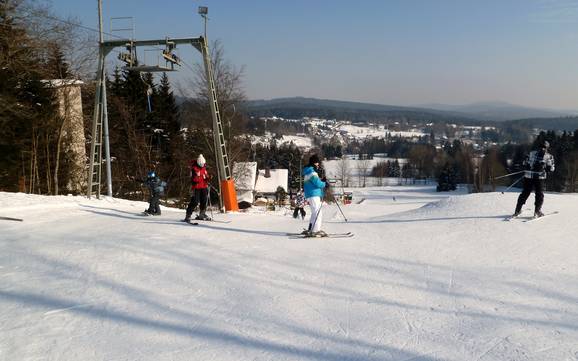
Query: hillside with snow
pixel 427 276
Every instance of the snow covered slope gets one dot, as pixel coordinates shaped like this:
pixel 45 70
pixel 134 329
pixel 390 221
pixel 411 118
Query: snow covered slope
pixel 426 277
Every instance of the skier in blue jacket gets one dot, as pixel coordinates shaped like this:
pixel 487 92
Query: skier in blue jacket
pixel 156 191
pixel 314 186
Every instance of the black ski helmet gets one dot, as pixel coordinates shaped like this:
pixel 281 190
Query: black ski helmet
pixel 313 159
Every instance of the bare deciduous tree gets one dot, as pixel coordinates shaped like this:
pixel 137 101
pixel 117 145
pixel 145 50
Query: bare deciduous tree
pixel 363 168
pixel 230 96
pixel 343 171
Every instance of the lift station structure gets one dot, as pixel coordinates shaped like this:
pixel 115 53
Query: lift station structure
pixel 100 129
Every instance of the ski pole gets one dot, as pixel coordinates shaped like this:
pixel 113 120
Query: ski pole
pixel 210 205
pixel 338 207
pixel 507 175
pixel 519 179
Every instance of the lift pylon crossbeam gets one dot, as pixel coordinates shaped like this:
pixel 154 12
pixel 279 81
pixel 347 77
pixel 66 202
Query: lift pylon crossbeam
pixel 148 68
pixel 109 45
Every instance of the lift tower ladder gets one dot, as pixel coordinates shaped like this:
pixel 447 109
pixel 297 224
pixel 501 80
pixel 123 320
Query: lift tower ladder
pixel 219 137
pixel 100 119
pixel 95 167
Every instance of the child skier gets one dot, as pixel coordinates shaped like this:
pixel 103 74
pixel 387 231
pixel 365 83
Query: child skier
pixel 199 187
pixel 299 205
pixel 538 163
pixel 314 187
pixel 156 191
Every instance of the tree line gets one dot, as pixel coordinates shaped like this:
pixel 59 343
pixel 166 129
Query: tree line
pixel 457 162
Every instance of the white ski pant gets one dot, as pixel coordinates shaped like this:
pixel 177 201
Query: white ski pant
pixel 316 213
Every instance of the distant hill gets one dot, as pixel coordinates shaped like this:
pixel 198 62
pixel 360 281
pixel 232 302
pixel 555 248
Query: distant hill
pixel 486 113
pixel 559 123
pixel 500 111
pixel 298 107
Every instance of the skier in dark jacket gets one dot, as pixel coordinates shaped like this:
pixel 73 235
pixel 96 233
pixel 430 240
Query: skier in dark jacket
pixel 538 163
pixel 200 188
pixel 156 191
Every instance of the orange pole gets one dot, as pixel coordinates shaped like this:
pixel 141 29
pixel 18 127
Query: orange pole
pixel 229 195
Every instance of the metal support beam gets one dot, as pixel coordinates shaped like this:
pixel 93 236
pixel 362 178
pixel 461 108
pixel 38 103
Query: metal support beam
pixel 121 43
pixel 100 121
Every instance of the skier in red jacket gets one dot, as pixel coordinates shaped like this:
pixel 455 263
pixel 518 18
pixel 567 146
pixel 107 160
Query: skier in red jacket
pixel 199 186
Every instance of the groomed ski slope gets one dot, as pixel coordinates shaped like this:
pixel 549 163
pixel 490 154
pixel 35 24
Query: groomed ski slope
pixel 426 277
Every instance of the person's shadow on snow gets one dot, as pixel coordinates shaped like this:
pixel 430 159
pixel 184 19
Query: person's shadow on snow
pixel 209 225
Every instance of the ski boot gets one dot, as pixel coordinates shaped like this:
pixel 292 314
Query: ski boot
pixel 538 213
pixel 202 217
pixel 307 231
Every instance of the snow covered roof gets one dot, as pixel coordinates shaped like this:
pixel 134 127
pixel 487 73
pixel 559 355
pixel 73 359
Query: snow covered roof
pixel 279 177
pixel 57 83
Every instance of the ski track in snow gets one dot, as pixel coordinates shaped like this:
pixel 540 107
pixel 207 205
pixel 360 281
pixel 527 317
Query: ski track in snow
pixel 427 276
pixel 48 313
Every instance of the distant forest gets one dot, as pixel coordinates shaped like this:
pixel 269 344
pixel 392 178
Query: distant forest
pixel 561 124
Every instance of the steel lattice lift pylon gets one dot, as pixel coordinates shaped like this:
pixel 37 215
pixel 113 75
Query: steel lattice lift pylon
pixel 100 119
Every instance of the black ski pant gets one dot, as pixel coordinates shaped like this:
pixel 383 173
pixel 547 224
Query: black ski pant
pixel 154 201
pixel 537 185
pixel 297 211
pixel 199 197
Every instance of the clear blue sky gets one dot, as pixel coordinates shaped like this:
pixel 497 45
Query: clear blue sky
pixel 400 52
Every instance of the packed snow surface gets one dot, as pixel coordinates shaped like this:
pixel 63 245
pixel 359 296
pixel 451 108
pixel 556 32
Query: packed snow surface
pixel 427 276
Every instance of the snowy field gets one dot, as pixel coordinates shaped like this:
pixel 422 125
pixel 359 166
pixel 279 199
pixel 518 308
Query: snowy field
pixel 426 277
pixel 378 132
pixel 362 132
pixel 355 169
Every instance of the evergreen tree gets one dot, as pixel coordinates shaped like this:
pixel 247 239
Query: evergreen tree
pixel 446 179
pixel 56 66
pixel 117 83
pixel 394 169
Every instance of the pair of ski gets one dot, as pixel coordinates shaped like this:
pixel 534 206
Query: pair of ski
pixel 196 222
pixel 147 214
pixel 329 235
pixel 532 219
